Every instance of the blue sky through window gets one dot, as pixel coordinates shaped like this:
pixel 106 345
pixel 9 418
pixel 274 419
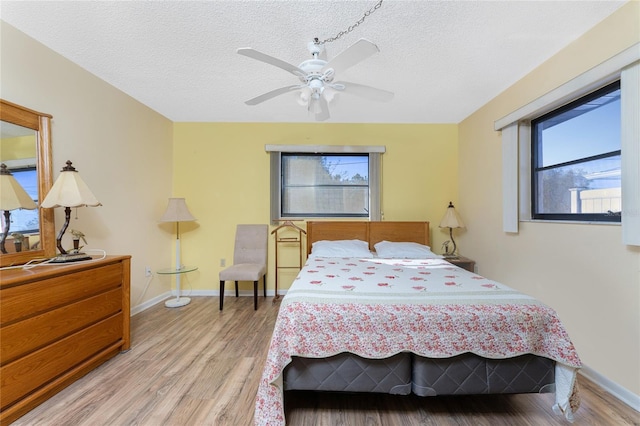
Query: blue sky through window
pixel 592 133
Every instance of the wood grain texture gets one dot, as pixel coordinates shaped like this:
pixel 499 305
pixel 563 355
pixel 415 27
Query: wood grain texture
pixel 197 365
pixel 32 298
pixel 40 123
pixel 57 324
pixel 372 232
pixel 29 372
pixel 334 230
pixel 51 326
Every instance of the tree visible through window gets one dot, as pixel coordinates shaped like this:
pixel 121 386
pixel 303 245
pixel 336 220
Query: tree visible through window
pixel 576 159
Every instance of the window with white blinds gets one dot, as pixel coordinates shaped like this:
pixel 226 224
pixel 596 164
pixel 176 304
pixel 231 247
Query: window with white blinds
pixel 517 143
pixel 325 182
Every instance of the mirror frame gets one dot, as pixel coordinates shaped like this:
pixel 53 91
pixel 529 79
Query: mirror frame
pixel 41 124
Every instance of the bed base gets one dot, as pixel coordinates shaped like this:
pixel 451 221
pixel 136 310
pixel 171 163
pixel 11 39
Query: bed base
pixel 405 373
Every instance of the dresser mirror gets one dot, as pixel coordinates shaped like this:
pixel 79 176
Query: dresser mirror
pixel 25 149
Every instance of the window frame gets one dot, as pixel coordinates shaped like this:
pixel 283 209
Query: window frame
pixel 624 65
pixel 300 215
pixel 535 146
pixel 375 178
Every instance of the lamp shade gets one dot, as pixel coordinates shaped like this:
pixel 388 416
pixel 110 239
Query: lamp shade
pixel 451 218
pixel 69 190
pixel 12 194
pixel 177 211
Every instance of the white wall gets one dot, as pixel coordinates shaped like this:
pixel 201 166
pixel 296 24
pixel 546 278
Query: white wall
pixel 584 272
pixel 122 149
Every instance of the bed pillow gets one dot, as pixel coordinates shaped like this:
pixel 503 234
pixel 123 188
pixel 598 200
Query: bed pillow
pixel 341 248
pixel 404 250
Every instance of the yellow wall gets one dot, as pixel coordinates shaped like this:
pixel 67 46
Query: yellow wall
pixel 222 169
pixel 133 159
pixel 17 148
pixel 582 271
pixel 122 149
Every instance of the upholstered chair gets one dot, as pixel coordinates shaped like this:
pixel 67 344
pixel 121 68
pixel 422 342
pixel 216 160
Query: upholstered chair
pixel 249 260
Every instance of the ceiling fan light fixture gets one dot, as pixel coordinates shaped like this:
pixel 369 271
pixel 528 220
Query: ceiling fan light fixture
pixel 316 75
pixel 316 84
pixel 330 95
pixel 314 106
pixel 303 98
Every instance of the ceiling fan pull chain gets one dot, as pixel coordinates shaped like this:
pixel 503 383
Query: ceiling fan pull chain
pixel 351 27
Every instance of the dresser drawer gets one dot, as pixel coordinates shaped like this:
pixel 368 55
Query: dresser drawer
pixel 30 372
pixel 36 332
pixel 57 323
pixel 37 297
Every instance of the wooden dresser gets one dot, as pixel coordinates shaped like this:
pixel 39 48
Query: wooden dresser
pixel 57 323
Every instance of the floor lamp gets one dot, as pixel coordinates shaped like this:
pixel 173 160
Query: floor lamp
pixel 177 212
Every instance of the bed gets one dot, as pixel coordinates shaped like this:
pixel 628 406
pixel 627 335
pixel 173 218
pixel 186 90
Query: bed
pixel 403 321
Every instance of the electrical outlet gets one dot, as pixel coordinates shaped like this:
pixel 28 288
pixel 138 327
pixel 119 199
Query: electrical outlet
pixel 147 271
pixel 223 262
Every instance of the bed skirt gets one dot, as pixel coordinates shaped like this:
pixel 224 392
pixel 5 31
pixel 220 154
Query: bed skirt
pixel 404 373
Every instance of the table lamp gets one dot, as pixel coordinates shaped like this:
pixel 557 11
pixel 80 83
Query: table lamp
pixel 69 190
pixel 451 220
pixel 12 197
pixel 177 211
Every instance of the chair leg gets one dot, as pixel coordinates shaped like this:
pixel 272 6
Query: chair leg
pixel 264 284
pixel 255 295
pixel 221 293
pixel 236 288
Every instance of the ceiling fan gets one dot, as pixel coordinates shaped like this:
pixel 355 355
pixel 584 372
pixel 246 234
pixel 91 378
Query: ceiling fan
pixel 317 77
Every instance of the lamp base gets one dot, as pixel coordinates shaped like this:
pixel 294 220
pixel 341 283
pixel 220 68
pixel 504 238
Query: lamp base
pixel 70 257
pixel 177 302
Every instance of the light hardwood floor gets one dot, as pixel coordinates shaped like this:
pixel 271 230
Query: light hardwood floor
pixel 198 366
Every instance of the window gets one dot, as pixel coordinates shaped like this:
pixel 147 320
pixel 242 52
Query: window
pixel 575 159
pixel 325 182
pixel 325 185
pixel 517 140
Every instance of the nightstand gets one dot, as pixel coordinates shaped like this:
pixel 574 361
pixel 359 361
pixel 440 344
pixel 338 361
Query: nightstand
pixel 462 262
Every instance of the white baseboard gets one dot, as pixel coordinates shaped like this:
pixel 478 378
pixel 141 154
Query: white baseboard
pixel 624 395
pixel 207 293
pixel 149 303
pixel 229 292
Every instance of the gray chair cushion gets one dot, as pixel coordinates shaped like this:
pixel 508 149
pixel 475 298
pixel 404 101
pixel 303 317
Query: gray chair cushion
pixel 243 272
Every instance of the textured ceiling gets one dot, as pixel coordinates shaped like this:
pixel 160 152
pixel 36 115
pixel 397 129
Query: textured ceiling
pixel 442 59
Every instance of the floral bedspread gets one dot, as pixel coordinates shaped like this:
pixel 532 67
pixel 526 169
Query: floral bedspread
pixel 376 308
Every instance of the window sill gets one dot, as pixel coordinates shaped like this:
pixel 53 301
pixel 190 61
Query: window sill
pixel 571 222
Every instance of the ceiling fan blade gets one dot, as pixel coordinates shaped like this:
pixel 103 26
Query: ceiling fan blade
pixel 272 94
pixel 254 54
pixel 357 52
pixel 364 91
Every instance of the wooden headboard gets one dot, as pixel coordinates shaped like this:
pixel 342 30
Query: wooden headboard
pixel 373 232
